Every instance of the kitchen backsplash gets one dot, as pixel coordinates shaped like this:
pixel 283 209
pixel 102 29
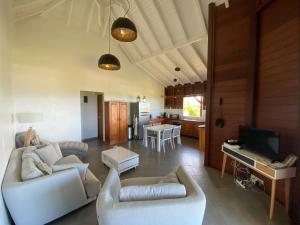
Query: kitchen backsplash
pixel 180 112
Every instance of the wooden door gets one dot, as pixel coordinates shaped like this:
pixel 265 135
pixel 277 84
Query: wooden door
pixel 123 121
pixel 100 117
pixel 113 123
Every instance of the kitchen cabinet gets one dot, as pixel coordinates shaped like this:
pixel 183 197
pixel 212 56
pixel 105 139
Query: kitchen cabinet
pixel 188 89
pixel 116 122
pixel 201 129
pixel 188 127
pixel 179 90
pixel 169 91
pixel 169 102
pixel 157 120
pixel 178 102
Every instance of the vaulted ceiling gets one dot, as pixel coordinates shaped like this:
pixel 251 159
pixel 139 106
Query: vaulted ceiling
pixel 171 33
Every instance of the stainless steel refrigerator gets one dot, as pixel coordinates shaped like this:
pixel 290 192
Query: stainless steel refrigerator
pixel 139 115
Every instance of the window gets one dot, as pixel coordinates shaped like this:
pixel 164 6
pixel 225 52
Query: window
pixel 193 106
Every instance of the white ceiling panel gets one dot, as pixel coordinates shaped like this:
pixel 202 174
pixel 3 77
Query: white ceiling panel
pixel 171 33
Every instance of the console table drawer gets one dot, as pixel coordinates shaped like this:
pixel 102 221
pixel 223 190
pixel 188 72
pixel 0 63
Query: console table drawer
pixel 265 169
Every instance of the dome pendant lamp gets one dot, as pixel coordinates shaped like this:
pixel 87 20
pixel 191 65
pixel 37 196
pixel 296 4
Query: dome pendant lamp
pixel 109 61
pixel 123 29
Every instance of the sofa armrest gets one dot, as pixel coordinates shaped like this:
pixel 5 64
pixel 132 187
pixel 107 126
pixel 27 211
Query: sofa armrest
pixel 109 193
pixel 43 199
pixel 188 211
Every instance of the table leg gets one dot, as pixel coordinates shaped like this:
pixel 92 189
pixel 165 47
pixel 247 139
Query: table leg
pixel 146 138
pixel 234 168
pixel 158 141
pixel 287 186
pixel 273 192
pixel 224 164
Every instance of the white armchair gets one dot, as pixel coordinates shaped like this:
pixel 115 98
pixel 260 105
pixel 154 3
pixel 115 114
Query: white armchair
pixel 179 211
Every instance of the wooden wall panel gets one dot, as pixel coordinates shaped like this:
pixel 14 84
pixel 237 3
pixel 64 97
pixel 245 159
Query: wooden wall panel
pixel 228 78
pixel 277 83
pixel 254 66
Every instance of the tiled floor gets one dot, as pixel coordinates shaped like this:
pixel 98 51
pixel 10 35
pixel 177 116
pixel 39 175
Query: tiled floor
pixel 227 204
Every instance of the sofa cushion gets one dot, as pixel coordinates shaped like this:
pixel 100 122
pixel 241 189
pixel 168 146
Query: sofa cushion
pixel 44 168
pixel 137 181
pixel 29 152
pixel 49 153
pixel 81 167
pixel 29 169
pixel 68 159
pixel 152 192
pixel 71 161
pixel 74 147
pixel 91 185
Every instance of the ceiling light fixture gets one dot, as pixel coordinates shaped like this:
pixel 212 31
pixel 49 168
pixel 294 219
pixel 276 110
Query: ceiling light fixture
pixel 123 29
pixel 109 61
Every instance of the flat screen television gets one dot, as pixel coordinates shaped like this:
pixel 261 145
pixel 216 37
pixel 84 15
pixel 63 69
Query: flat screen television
pixel 263 142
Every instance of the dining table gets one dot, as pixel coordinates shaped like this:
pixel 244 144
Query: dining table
pixel 157 129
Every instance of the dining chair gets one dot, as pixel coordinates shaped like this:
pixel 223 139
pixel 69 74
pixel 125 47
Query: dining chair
pixel 147 134
pixel 167 137
pixel 176 134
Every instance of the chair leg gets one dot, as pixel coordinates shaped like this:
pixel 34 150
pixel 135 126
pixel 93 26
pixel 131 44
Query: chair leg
pixel 179 140
pixel 163 143
pixel 172 144
pixel 173 141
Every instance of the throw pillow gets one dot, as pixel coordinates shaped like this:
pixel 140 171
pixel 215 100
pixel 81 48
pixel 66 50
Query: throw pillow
pixel 35 139
pixel 29 169
pixel 44 168
pixel 81 167
pixel 49 154
pixel 152 192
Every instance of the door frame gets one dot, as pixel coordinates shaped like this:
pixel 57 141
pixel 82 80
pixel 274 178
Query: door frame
pixel 103 113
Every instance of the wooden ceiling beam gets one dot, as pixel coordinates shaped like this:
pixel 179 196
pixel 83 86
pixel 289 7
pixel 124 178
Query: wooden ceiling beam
pixel 176 46
pixel 163 21
pixel 153 68
pixel 171 62
pixel 141 12
pixel 152 75
pixel 51 6
pixel 188 64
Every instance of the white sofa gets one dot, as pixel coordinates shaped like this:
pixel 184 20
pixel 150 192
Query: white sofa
pixel 46 198
pixel 180 211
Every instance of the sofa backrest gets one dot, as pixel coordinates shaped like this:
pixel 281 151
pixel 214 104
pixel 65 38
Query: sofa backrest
pixel 13 170
pixel 20 137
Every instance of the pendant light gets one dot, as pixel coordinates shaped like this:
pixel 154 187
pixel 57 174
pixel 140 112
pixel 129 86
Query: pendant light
pixel 123 29
pixel 109 61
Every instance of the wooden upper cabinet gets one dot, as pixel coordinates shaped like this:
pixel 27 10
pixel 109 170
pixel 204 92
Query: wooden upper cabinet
pixel 179 90
pixel 188 89
pixel 198 88
pixel 169 91
pixel 178 102
pixel 169 102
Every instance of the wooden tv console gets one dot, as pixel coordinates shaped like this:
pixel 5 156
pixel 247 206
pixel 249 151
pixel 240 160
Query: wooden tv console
pixel 260 165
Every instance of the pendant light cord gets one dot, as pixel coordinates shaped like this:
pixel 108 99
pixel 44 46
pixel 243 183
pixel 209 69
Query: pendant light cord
pixel 109 26
pixel 127 9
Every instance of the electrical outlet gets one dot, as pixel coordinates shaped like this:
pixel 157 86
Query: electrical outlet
pixel 257 181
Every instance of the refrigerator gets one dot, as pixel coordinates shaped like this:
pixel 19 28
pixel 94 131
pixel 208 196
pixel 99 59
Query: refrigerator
pixel 139 115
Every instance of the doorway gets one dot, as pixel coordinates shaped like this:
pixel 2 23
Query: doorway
pixel 92 116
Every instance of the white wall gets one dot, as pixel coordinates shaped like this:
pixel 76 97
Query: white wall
pixel 53 62
pixel 89 115
pixel 6 103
